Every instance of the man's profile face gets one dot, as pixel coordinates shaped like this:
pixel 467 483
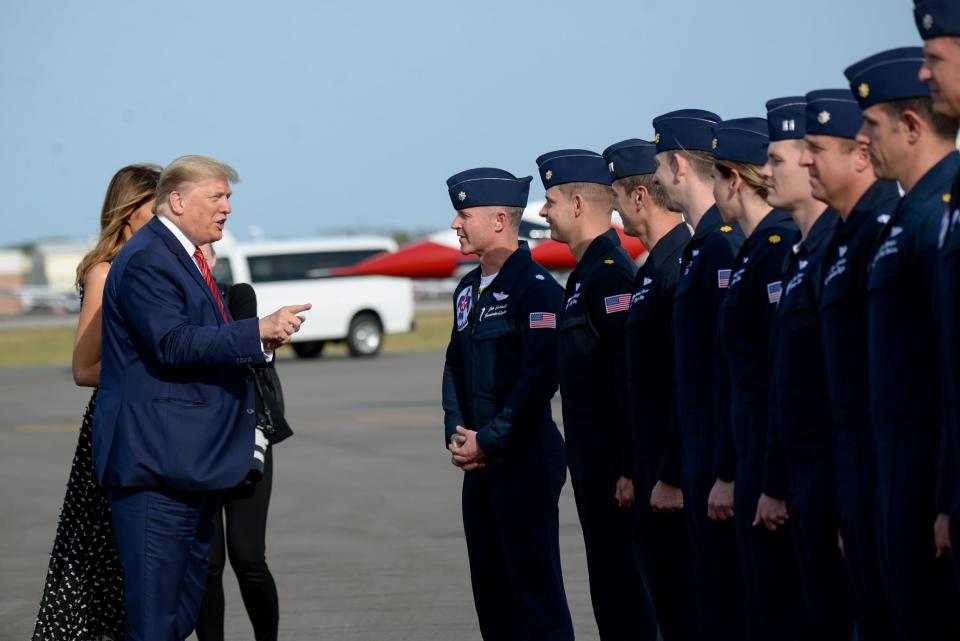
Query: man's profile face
pixel 829 163
pixel 624 204
pixel 788 183
pixel 204 207
pixel 558 212
pixel 885 138
pixel 475 228
pixel 941 70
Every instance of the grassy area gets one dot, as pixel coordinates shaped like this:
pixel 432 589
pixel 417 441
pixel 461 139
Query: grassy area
pixel 54 345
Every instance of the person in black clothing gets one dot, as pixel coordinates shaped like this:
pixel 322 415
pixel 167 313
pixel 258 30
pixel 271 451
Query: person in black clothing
pixel 773 598
pixel 579 205
pixel 939 26
pixel 499 375
pixel 246 506
pixel 684 166
pixel 800 438
pixel 663 544
pixel 841 176
pixel 910 143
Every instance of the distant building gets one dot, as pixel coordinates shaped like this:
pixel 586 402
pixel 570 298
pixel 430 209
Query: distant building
pixel 13 266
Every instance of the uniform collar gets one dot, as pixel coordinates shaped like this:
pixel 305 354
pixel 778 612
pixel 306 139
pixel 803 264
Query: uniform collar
pixel 877 194
pixel 821 231
pixel 511 268
pixel 931 185
pixel 597 248
pixel 709 222
pixel 772 219
pixel 673 240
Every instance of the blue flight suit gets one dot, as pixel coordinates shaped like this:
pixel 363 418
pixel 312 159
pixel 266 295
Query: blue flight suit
pixel 801 439
pixel 594 421
pixel 774 599
pixel 499 376
pixel 702 399
pixel 948 491
pixel 843 325
pixel 904 377
pixel 663 544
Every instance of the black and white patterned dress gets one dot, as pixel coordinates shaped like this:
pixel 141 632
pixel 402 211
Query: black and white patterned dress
pixel 83 594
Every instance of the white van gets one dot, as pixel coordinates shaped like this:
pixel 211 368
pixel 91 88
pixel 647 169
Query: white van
pixel 357 310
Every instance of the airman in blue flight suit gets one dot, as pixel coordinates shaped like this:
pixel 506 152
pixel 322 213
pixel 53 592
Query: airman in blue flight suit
pixel 498 378
pixel 747 317
pixel 684 166
pixel 939 24
pixel 579 208
pixel 662 540
pixel 842 176
pixel 909 143
pixel 800 438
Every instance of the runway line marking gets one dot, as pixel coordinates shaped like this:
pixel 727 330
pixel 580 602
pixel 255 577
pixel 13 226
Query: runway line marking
pixel 52 428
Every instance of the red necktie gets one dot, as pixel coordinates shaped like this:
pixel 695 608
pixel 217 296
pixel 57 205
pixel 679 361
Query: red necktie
pixel 208 279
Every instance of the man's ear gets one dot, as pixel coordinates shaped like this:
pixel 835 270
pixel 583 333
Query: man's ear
pixel 175 201
pixel 577 205
pixel 861 158
pixel 914 124
pixel 641 196
pixel 500 221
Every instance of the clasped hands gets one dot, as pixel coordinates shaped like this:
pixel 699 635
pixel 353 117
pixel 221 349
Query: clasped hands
pixel 465 451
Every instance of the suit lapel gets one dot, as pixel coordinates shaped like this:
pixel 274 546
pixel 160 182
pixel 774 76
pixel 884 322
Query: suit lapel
pixel 187 261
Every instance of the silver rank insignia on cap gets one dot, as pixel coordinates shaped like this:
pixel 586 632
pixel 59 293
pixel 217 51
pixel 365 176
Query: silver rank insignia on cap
pixel 863 90
pixel 610 167
pixel 549 174
pixel 714 143
pixel 789 125
pixel 656 138
pixel 928 22
pixel 462 196
pixel 823 117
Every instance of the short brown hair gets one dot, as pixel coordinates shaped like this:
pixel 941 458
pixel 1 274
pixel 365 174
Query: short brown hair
pixel 749 173
pixel 600 195
pixel 190 169
pixel 655 189
pixel 514 215
pixel 700 161
pixel 943 127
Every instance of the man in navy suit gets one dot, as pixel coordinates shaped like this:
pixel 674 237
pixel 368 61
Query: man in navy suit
pixel 174 421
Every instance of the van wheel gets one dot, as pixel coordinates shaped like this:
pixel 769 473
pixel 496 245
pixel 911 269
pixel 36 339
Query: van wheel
pixel 365 337
pixel 308 349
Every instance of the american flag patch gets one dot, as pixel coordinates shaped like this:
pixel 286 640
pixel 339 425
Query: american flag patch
pixel 723 278
pixel 773 291
pixel 618 303
pixel 543 320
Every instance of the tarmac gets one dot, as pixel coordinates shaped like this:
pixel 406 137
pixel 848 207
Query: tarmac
pixel 365 536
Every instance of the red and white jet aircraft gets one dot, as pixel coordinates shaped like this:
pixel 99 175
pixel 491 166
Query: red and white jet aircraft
pixel 438 255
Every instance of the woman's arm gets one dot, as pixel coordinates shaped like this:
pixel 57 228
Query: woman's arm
pixel 86 344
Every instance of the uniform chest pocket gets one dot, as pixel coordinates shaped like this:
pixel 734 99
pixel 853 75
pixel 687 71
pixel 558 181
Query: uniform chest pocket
pixel 889 272
pixel 491 329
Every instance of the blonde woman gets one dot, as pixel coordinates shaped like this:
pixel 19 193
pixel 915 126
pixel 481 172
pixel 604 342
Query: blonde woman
pixel 83 595
pixel 774 602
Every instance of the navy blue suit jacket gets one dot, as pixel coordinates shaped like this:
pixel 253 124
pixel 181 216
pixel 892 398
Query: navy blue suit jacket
pixel 175 407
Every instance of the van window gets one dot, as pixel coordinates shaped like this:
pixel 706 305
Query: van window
pixel 278 267
pixel 221 272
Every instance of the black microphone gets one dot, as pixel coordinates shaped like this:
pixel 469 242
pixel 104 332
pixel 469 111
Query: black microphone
pixel 242 301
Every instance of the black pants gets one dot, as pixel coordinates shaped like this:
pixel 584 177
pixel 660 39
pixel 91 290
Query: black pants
pixel 246 511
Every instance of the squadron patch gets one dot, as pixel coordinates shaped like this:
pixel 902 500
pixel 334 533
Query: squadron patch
pixel 464 305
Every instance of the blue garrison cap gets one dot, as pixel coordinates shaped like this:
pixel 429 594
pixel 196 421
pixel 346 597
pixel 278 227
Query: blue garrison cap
pixel 632 157
pixel 787 118
pixel 937 18
pixel 572 166
pixel 888 75
pixel 689 129
pixel 485 186
pixel 741 140
pixel 833 112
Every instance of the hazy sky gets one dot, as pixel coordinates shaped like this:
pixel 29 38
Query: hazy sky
pixel 352 115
